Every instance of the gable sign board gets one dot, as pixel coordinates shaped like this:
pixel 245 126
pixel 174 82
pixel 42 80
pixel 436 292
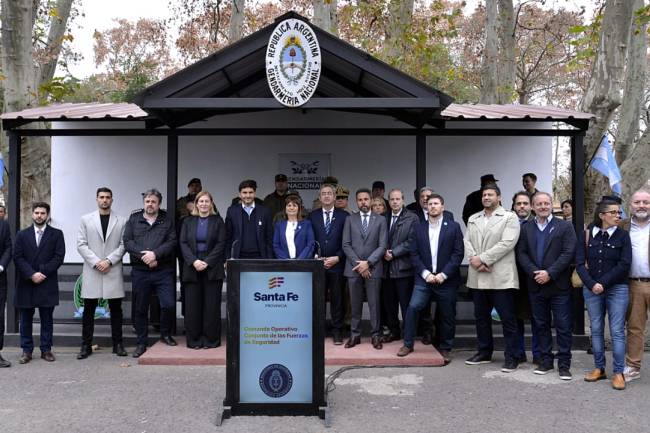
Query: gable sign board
pixel 293 62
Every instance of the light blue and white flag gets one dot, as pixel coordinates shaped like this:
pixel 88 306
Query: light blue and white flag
pixel 605 163
pixel 2 170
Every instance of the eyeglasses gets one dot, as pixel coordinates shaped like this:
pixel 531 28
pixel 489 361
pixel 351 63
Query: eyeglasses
pixel 614 212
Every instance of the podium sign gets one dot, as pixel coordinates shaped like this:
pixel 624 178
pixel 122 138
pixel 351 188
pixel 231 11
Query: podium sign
pixel 275 347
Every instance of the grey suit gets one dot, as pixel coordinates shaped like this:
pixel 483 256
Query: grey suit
pixel 370 247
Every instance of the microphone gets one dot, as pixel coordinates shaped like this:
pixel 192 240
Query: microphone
pixel 232 248
pixel 318 251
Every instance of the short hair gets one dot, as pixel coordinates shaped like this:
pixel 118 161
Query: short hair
pixel 567 201
pixel 396 190
pixel 42 204
pixel 328 185
pixel 361 190
pixel 379 201
pixel 295 199
pixel 532 199
pixel 195 211
pixel 493 187
pixel 154 192
pixel 530 175
pixel 248 183
pixel 438 196
pixel 517 194
pixel 601 207
pixel 104 189
pixel 425 188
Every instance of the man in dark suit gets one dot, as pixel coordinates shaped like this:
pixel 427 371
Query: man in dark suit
pixel 5 258
pixel 249 226
pixel 327 223
pixel 436 256
pixel 364 245
pixel 545 251
pixel 397 285
pixel 473 203
pixel 39 252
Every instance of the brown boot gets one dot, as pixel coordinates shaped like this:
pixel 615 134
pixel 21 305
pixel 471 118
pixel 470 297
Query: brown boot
pixel 404 350
pixel 595 375
pixel 618 381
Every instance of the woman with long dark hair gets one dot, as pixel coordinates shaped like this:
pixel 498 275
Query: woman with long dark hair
pixel 202 241
pixel 603 258
pixel 293 237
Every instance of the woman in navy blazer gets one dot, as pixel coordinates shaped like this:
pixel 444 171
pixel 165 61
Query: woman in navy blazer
pixel 293 237
pixel 603 260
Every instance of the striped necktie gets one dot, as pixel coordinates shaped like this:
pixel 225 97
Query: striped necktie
pixel 364 225
pixel 328 221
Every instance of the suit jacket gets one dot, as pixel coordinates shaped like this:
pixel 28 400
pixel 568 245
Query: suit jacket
pixel 215 247
pixel 93 248
pixel 263 232
pixel 29 259
pixel 473 204
pixel 303 239
pixel 559 251
pixel 6 251
pixel 370 247
pixel 332 244
pixel 494 243
pixel 449 255
pixel 400 238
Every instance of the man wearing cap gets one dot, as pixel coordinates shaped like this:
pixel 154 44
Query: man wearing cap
pixel 473 203
pixel 275 200
pixel 378 190
pixel 193 188
pixel 342 195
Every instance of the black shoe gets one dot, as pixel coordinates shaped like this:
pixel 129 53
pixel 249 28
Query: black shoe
pixel 565 374
pixel 509 366
pixel 390 337
pixel 543 369
pixel 478 359
pixel 427 339
pixel 85 352
pixel 376 342
pixel 168 340
pixel 537 360
pixel 522 359
pixel 446 356
pixel 338 338
pixel 139 350
pixel 118 349
pixel 4 363
pixel 352 341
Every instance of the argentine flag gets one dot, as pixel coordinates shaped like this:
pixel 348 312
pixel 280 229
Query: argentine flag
pixel 605 163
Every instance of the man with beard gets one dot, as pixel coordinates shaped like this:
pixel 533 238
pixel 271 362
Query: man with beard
pixel 150 240
pixel 364 245
pixel 39 252
pixel 637 313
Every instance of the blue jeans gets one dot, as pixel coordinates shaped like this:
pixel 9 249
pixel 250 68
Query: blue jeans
pixel 144 282
pixel 445 298
pixel 560 305
pixel 521 336
pixel 47 328
pixel 614 301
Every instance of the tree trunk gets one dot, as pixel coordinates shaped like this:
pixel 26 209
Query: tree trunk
pixel 633 99
pixel 605 86
pixel 399 20
pixel 489 69
pixel 55 36
pixel 507 71
pixel 635 170
pixel 325 15
pixel 236 27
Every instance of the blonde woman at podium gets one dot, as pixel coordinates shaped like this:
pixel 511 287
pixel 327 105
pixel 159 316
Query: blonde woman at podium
pixel 293 237
pixel 202 241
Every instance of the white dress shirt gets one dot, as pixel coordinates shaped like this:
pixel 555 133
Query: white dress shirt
pixel 325 212
pixel 290 234
pixel 434 237
pixel 639 236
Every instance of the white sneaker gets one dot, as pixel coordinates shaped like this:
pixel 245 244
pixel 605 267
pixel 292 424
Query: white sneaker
pixel 631 373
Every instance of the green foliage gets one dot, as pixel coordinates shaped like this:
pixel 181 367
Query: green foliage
pixel 57 89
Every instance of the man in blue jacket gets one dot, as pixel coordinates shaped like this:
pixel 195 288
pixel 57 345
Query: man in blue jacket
pixel 436 256
pixel 39 252
pixel 249 226
pixel 327 223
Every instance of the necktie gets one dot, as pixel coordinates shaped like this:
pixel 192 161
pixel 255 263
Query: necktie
pixel 328 222
pixel 393 222
pixel 364 225
pixel 39 235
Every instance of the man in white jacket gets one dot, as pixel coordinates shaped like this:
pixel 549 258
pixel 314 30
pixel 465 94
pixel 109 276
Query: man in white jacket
pixel 490 242
pixel 100 243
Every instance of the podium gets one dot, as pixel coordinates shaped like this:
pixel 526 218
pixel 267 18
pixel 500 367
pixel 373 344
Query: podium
pixel 275 354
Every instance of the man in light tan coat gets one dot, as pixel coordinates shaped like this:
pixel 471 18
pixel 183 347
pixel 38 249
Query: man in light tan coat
pixel 492 278
pixel 99 242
